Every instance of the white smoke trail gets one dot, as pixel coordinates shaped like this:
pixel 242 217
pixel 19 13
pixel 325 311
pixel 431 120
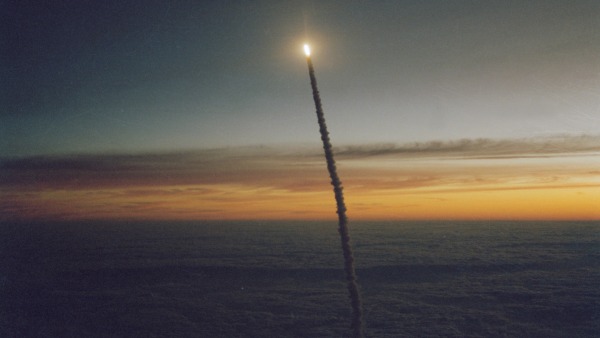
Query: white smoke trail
pixel 357 324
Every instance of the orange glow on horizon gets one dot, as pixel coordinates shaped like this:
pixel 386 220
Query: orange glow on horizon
pixel 233 202
pixel 277 185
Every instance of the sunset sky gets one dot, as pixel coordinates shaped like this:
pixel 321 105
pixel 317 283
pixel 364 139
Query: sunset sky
pixel 203 110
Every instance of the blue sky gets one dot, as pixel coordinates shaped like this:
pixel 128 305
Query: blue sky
pixel 152 76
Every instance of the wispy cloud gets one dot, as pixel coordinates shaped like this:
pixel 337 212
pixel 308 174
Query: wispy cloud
pixel 255 182
pixel 214 166
pixel 482 148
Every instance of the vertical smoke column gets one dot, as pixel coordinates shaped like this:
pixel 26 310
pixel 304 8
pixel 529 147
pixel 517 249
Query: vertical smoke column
pixel 356 324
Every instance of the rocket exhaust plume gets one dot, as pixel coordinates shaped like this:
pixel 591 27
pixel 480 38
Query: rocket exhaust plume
pixel 356 325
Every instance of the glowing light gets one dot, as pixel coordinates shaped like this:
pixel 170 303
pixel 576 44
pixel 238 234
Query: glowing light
pixel 307 50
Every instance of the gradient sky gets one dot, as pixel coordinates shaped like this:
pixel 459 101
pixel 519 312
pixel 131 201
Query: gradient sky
pixel 199 98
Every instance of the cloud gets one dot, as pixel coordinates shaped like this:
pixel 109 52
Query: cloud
pixel 209 166
pixel 480 148
pixel 271 182
pixel 263 165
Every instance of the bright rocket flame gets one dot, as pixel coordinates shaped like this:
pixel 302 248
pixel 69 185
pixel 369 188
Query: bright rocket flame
pixel 307 50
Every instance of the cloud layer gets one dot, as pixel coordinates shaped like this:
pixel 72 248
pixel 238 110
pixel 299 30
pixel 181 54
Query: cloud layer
pixel 253 182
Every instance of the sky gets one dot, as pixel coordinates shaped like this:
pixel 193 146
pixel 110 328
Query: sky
pixel 203 109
